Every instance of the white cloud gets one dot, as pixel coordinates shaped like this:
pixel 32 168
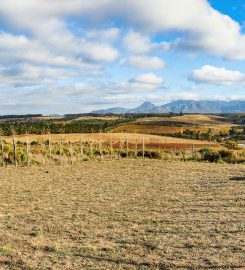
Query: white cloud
pixel 99 52
pixel 137 43
pixel 142 83
pixel 217 76
pixel 203 27
pixel 47 49
pixel 145 62
pixel 109 34
pixel 148 78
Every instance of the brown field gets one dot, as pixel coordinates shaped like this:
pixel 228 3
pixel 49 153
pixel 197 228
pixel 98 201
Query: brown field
pixel 165 125
pixel 151 129
pixel 197 119
pixel 106 118
pixel 148 129
pixel 150 141
pixel 63 120
pixel 131 214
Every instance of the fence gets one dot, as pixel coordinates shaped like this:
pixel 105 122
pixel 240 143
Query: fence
pixel 50 152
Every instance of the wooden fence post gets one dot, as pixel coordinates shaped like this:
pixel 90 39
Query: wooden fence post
pixel 2 148
pixel 60 150
pixel 91 149
pixel 193 151
pixel 70 152
pixel 15 152
pixel 136 149
pixel 127 146
pixel 111 144
pixel 143 148
pixel 100 149
pixel 27 149
pixel 81 149
pixel 50 150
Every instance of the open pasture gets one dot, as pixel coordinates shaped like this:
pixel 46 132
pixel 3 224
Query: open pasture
pixel 192 119
pixel 131 214
pixel 177 124
pixel 150 141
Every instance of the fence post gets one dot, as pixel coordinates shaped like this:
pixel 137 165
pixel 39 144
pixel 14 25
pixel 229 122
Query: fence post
pixel 70 152
pixel 143 148
pixel 136 149
pixel 91 149
pixel 127 146
pixel 2 148
pixel 111 144
pixel 27 149
pixel 193 151
pixel 60 150
pixel 50 150
pixel 100 149
pixel 15 152
pixel 81 149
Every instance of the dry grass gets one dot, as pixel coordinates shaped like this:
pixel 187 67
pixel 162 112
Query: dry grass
pixel 197 119
pixel 148 129
pixel 157 129
pixel 150 141
pixel 105 118
pixel 153 125
pixel 130 214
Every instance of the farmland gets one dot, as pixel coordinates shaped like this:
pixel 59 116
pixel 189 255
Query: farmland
pixel 177 124
pixel 76 148
pixel 120 200
pixel 130 214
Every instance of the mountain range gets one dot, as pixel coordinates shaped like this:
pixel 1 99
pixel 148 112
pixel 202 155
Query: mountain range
pixel 184 106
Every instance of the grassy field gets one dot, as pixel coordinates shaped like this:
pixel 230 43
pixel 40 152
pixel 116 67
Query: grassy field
pixel 170 125
pixel 115 137
pixel 131 214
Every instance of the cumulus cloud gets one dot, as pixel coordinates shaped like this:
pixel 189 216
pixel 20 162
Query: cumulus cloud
pixel 137 43
pixel 109 34
pixel 148 78
pixel 218 76
pixel 145 62
pixel 142 83
pixel 203 27
pixel 40 45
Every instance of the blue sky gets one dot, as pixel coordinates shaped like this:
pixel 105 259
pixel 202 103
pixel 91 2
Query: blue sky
pixel 75 56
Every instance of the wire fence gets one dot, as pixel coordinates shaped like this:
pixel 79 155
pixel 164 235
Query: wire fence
pixel 26 153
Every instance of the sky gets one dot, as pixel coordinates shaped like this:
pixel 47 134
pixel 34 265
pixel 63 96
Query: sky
pixel 60 56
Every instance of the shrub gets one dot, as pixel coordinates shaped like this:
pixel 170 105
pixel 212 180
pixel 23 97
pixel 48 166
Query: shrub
pixel 21 157
pixel 222 155
pixel 34 143
pixel 150 154
pixel 209 154
pixel 231 144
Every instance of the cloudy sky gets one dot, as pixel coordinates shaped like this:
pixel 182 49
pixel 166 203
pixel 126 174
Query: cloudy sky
pixel 60 56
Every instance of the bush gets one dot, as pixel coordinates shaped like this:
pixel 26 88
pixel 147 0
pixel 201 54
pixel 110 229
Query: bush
pixel 34 143
pixel 150 154
pixel 222 155
pixel 210 155
pixel 231 144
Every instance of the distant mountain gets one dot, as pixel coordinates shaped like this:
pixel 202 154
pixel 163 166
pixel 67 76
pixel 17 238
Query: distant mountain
pixel 185 106
pixel 143 108
pixel 116 110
